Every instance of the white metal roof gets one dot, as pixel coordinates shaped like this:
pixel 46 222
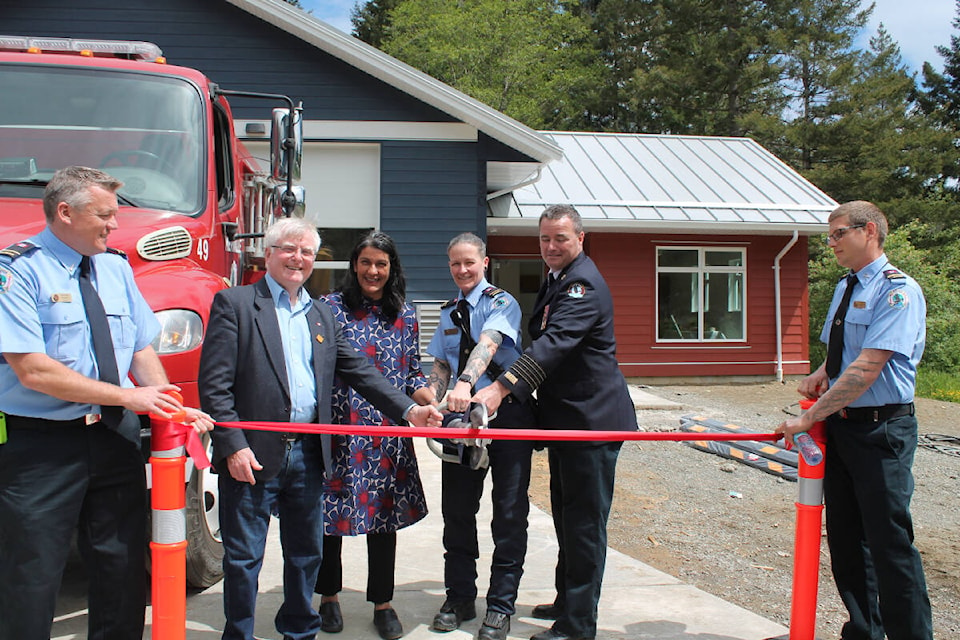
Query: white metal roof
pixel 690 184
pixel 397 74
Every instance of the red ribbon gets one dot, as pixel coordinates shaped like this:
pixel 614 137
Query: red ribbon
pixel 166 435
pixel 494 434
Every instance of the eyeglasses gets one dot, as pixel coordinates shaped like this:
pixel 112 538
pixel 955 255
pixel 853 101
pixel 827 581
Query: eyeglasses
pixel 838 233
pixel 289 250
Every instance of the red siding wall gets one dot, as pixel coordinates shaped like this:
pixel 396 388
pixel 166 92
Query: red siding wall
pixel 627 261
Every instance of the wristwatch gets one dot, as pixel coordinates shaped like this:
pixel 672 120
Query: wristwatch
pixel 465 377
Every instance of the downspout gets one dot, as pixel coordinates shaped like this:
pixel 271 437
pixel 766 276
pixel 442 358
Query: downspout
pixel 776 296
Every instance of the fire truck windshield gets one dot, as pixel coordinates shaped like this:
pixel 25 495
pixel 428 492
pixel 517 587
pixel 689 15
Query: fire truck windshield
pixel 145 130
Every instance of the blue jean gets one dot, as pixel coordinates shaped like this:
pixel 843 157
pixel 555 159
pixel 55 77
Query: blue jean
pixel 296 495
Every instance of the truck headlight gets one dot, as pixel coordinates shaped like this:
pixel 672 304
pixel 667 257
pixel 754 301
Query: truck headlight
pixel 180 330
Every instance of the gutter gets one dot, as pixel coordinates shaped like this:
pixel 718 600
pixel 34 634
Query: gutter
pixel 776 298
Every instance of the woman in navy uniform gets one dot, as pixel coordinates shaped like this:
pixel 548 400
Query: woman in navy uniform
pixel 572 366
pixel 876 331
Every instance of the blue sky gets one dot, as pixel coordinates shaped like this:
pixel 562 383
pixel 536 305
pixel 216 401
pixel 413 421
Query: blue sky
pixel 917 25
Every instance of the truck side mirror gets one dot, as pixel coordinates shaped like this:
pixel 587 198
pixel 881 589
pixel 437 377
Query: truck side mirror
pixel 299 194
pixel 281 138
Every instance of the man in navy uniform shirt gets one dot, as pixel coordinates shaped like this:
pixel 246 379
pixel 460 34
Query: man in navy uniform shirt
pixel 875 332
pixel 572 365
pixel 73 459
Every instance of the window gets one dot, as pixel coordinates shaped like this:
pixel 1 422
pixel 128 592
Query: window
pixel 700 294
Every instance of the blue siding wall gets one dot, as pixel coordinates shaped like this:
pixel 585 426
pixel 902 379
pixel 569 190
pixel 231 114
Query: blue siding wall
pixel 429 194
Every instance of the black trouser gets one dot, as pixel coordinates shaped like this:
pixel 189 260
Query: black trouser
pixel 462 490
pixel 381 563
pixel 581 492
pixel 56 478
pixel 868 484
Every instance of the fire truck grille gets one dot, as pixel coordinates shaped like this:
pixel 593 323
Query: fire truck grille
pixel 166 244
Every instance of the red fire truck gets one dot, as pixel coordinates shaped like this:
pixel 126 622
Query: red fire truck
pixel 194 202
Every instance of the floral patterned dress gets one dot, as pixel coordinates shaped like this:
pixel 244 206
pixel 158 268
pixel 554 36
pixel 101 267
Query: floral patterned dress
pixel 375 484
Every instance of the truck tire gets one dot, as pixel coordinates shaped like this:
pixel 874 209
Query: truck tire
pixel 204 545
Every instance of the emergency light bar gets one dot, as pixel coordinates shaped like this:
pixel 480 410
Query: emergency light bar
pixel 130 49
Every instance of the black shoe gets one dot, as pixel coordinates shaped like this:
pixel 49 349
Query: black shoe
pixel 495 626
pixel 553 634
pixel 331 620
pixel 451 614
pixel 387 624
pixel 550 611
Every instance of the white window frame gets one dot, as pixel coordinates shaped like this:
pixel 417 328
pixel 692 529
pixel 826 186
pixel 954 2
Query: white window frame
pixel 699 302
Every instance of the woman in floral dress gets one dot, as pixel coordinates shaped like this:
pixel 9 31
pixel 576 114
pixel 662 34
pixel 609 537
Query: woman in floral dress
pixel 374 488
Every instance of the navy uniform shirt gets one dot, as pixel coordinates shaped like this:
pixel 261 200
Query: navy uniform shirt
pixel 888 312
pixel 491 309
pixel 41 311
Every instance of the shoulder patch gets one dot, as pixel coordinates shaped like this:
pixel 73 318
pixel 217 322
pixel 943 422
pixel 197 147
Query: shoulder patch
pixel 6 280
pixel 898 299
pixel 493 292
pixel 448 303
pixel 576 290
pixel 118 252
pixel 894 274
pixel 18 249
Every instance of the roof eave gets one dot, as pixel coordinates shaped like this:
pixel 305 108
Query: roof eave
pixel 403 77
pixel 529 226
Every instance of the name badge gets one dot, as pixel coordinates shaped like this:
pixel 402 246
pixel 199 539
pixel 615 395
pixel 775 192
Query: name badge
pixel 859 304
pixel 451 332
pixel 61 297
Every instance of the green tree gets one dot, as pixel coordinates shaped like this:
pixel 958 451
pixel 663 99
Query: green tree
pixel 688 66
pixel 879 146
pixel 531 59
pixel 371 20
pixel 817 39
pixel 941 97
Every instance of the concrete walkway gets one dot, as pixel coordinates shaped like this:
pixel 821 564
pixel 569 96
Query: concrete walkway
pixel 638 602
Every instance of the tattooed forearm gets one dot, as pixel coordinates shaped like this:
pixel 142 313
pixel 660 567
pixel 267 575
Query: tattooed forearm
pixel 852 383
pixel 482 354
pixel 439 378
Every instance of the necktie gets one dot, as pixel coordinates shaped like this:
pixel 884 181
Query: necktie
pixel 102 341
pixel 466 344
pixel 835 344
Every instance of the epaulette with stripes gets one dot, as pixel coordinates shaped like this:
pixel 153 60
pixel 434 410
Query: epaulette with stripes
pixel 493 292
pixel 894 274
pixel 18 249
pixel 448 303
pixel 118 252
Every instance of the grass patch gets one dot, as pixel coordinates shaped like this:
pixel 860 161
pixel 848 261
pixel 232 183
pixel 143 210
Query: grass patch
pixel 938 385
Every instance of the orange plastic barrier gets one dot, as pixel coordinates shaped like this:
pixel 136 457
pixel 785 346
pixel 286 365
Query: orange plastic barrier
pixel 806 544
pixel 168 545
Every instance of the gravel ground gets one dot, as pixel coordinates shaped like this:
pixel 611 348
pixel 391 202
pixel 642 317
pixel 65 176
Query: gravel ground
pixel 728 529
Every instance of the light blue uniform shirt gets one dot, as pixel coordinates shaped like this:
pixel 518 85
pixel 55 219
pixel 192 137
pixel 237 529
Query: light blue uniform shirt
pixel 41 311
pixel 498 313
pixel 297 350
pixel 884 313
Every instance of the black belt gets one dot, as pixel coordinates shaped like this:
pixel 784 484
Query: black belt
pixel 877 414
pixel 24 422
pixel 290 438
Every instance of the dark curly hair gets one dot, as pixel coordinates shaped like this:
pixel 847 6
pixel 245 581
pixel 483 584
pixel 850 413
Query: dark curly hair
pixel 394 290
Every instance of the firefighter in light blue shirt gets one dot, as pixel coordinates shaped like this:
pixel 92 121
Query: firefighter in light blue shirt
pixel 888 312
pixel 63 468
pixel 875 332
pixel 478 337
